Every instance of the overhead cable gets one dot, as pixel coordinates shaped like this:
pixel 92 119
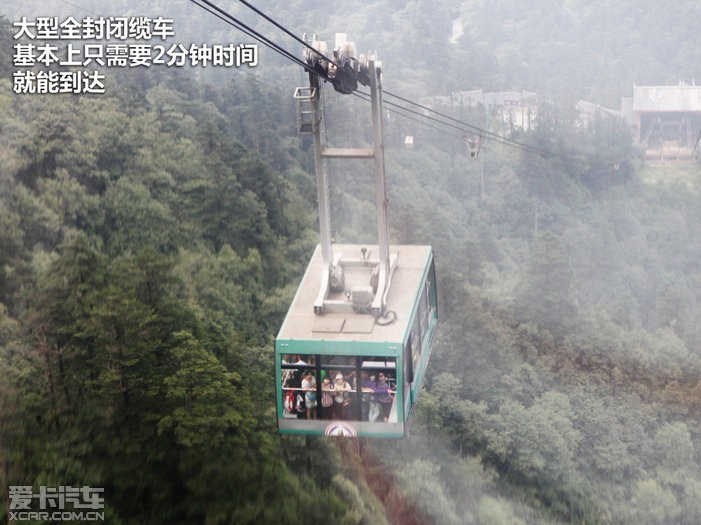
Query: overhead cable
pixel 493 135
pixel 287 31
pixel 238 24
pixel 452 122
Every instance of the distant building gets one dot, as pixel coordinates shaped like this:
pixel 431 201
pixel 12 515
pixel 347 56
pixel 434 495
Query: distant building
pixel 511 110
pixel 588 111
pixel 665 120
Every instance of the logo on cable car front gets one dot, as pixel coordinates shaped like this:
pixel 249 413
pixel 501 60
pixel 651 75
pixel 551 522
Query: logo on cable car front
pixel 340 429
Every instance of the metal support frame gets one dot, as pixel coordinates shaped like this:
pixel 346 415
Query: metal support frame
pixel 305 114
pixel 322 190
pixel 332 273
pixel 381 198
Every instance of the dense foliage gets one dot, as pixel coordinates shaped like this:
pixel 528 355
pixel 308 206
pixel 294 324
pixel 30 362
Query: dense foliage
pixel 579 49
pixel 146 252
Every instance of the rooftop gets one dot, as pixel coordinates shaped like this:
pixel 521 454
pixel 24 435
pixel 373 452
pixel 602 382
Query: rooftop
pixel 301 323
pixel 683 97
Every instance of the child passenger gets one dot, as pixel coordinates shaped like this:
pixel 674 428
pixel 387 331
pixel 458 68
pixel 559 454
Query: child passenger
pixel 326 398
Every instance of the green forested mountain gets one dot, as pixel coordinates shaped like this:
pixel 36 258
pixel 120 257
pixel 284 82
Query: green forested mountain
pixel 146 253
pixel 152 237
pixel 589 49
pixel 568 357
pixel 576 49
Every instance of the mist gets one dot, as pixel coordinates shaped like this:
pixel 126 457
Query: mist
pixel 564 382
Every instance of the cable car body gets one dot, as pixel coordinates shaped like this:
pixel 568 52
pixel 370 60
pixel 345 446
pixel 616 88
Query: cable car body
pixel 355 344
pixel 358 334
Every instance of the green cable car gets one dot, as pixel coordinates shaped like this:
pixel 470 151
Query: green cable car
pixel 356 346
pixel 351 354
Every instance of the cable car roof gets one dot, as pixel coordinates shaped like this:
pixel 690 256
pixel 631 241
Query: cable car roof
pixel 301 323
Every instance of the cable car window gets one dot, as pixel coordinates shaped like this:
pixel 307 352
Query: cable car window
pixel 416 343
pixel 424 308
pixel 378 389
pixel 344 388
pixel 408 377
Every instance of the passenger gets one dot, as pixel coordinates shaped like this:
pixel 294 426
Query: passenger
pixel 309 387
pixel 294 383
pixel 371 408
pixel 352 380
pixel 342 398
pixel 383 396
pixel 326 398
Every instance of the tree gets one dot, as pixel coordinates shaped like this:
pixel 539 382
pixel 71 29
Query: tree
pixel 652 504
pixel 496 511
pixel 428 491
pixel 673 446
pixel 544 295
pixel 135 221
pixel 543 440
pixel 228 290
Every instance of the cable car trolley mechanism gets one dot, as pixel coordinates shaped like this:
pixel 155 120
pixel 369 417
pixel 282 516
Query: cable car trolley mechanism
pixel 351 353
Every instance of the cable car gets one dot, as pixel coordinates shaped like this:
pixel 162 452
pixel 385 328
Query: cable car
pixel 352 351
pixel 354 345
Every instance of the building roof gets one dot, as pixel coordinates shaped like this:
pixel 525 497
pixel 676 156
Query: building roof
pixel 592 109
pixel 683 97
